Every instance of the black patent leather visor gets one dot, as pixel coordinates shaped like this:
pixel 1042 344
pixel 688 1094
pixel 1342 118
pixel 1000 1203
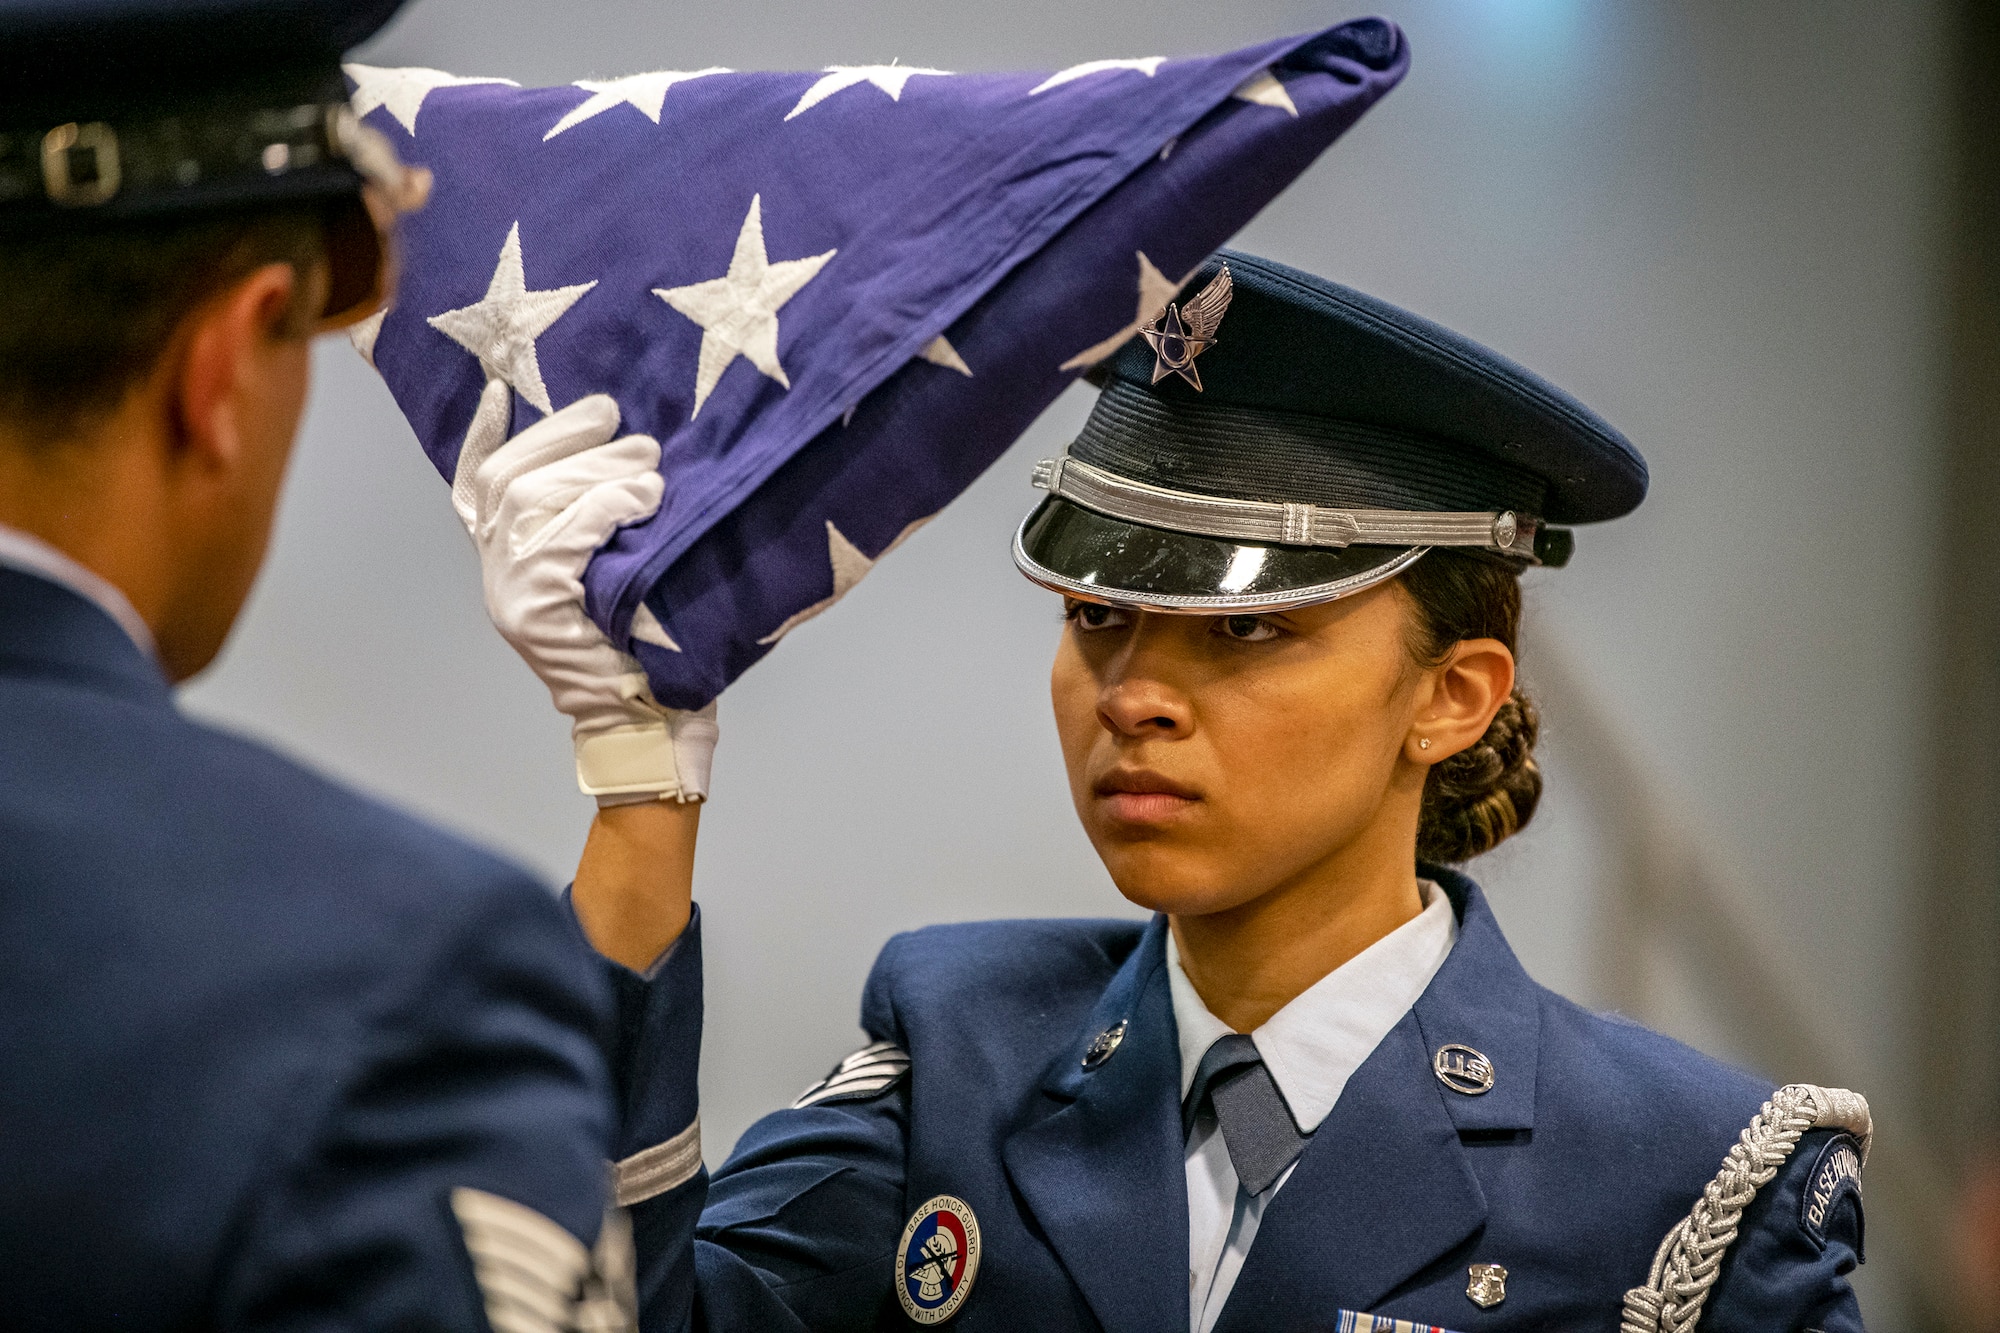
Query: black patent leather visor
pixel 1081 553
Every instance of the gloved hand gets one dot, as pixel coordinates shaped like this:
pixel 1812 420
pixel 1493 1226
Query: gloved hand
pixel 538 506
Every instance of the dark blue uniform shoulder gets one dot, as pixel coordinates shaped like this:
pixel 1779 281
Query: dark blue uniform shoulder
pixel 1030 973
pixel 256 1026
pixel 1690 1102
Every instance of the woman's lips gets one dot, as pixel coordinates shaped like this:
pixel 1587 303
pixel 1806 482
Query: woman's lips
pixel 1137 796
pixel 1151 807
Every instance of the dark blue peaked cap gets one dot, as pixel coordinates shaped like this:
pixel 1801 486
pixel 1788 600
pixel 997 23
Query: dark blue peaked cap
pixel 1321 441
pixel 124 108
pixel 91 59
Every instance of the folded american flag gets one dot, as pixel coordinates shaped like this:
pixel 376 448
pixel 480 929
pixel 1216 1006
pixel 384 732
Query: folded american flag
pixel 833 297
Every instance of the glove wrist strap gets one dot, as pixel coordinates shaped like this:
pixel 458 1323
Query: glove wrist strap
pixel 635 760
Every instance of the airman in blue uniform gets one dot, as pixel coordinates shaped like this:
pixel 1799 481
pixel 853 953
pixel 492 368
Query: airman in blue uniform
pixel 1289 539
pixel 272 1056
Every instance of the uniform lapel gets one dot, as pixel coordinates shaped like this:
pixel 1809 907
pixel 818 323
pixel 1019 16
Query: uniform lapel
pixel 47 630
pixel 1102 1166
pixel 1384 1189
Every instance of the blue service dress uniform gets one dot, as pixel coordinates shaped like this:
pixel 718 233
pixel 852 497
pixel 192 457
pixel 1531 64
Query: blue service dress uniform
pixel 1596 1137
pixel 1023 1080
pixel 257 1030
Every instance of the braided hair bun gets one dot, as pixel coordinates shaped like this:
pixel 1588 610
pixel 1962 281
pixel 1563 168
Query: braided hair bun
pixel 1485 794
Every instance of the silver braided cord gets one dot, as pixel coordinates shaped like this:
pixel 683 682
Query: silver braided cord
pixel 1690 1257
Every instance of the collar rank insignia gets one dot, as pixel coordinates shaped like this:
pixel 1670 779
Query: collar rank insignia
pixel 1183 332
pixel 937 1260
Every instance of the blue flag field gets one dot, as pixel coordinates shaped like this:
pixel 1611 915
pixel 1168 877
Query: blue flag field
pixel 834 297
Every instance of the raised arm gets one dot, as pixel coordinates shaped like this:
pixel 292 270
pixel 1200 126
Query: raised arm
pixel 634 888
pixel 538 507
pixel 800 1228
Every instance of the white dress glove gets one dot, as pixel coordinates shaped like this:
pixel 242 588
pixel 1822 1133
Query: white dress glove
pixel 538 507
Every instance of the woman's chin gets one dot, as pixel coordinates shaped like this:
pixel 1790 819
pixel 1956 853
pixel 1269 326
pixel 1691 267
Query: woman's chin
pixel 1175 885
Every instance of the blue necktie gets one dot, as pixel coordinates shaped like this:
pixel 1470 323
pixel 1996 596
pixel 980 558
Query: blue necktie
pixel 1257 1128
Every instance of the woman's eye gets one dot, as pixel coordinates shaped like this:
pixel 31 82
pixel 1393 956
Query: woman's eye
pixel 1094 615
pixel 1248 629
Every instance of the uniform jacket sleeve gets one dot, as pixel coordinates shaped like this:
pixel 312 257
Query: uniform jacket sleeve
pixel 1799 1240
pixel 483 1070
pixel 795 1231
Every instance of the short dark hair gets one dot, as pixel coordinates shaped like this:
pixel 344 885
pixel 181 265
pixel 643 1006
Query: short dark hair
pixel 1486 794
pixel 86 313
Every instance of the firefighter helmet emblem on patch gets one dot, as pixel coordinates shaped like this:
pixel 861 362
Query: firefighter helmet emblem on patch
pixel 937 1260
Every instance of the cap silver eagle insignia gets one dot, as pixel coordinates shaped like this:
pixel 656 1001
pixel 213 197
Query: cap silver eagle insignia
pixel 1183 332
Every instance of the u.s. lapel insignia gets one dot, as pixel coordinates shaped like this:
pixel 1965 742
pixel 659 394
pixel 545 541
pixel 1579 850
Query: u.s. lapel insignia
pixel 1104 1044
pixel 1462 1069
pixel 1183 332
pixel 937 1260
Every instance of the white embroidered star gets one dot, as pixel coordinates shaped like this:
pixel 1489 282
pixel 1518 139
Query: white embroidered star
pixel 1265 89
pixel 849 568
pixel 1155 290
pixel 646 628
pixel 738 312
pixel 647 92
pixel 939 352
pixel 364 334
pixel 1147 65
pixel 889 78
pixel 501 327
pixel 403 90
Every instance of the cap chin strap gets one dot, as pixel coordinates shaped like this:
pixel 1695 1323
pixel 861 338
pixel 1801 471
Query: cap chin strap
pixel 1502 532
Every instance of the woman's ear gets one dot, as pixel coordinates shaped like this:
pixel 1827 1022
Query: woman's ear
pixel 1466 690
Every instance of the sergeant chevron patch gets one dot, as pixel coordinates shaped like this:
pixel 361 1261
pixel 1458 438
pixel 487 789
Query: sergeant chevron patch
pixel 870 1071
pixel 1346 1321
pixel 535 1277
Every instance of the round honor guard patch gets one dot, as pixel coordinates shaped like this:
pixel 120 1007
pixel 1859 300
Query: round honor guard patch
pixel 1463 1069
pixel 938 1259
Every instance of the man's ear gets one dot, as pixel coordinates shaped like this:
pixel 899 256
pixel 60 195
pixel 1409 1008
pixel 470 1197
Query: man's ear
pixel 223 346
pixel 1466 690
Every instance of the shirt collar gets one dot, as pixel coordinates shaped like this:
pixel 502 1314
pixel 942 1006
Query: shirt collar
pixel 32 555
pixel 1314 1044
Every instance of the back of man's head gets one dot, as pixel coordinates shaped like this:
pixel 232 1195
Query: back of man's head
pixel 87 316
pixel 185 197
pixel 155 374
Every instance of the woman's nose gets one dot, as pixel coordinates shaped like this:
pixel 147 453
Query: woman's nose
pixel 1138 708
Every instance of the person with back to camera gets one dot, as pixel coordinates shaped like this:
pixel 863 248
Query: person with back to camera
pixel 272 1056
pixel 1316 1091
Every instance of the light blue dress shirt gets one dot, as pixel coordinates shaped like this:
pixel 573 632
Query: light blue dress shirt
pixel 1312 1047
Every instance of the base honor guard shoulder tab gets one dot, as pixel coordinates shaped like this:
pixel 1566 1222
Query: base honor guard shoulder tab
pixel 869 1072
pixel 1690 1257
pixel 1833 1185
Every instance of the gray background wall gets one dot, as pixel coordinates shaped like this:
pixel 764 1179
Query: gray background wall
pixel 1714 221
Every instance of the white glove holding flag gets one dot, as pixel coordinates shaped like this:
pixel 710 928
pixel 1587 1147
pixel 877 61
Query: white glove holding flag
pixel 538 507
